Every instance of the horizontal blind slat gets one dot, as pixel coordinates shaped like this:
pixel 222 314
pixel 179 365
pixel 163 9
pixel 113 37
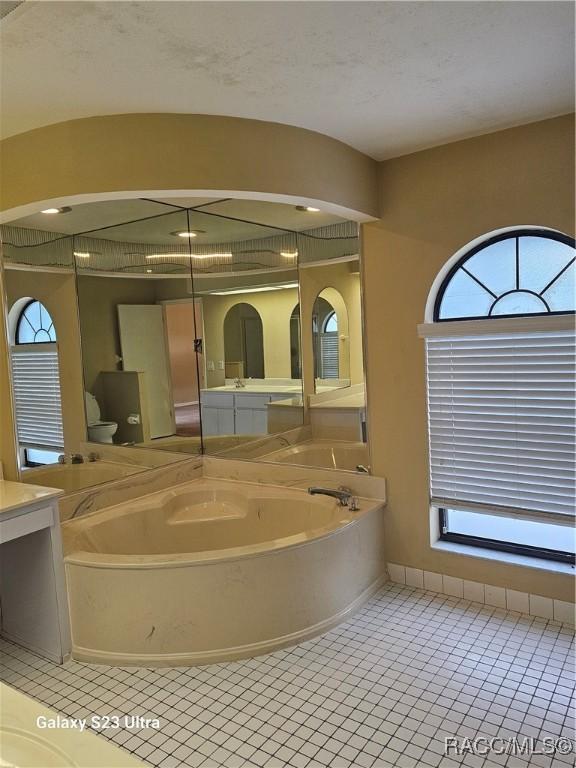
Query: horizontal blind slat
pixel 37 397
pixel 502 419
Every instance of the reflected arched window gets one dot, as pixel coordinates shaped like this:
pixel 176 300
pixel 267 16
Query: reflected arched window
pixel 36 383
pixel 331 323
pixel 523 272
pixel 35 325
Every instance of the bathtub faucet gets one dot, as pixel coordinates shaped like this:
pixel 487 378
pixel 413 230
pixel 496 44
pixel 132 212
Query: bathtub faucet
pixel 344 496
pixel 70 458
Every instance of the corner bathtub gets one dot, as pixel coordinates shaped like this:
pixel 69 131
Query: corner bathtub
pixel 216 570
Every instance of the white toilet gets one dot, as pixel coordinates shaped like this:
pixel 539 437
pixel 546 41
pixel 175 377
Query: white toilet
pixel 98 431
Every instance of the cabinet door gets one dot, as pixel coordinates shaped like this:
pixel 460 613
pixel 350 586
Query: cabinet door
pixel 226 421
pixel 209 421
pixel 244 421
pixel 260 422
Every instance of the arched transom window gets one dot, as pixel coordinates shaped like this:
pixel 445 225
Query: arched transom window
pixel 525 272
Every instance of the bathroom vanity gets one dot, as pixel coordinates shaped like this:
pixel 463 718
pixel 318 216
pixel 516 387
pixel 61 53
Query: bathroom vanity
pixel 32 586
pixel 228 410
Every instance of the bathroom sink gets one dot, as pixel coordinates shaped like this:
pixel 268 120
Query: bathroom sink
pixel 21 749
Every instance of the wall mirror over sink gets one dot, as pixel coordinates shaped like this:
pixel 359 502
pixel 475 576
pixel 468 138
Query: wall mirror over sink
pixel 181 327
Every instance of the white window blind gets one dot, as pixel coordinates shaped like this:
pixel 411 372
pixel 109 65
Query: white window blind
pixel 501 409
pixel 329 355
pixel 38 406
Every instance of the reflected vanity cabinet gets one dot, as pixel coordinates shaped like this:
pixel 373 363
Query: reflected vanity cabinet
pixel 237 413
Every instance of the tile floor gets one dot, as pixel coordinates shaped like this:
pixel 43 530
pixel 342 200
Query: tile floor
pixel 383 689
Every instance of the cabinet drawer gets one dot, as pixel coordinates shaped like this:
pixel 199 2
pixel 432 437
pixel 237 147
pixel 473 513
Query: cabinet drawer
pixel 21 525
pixel 252 401
pixel 217 399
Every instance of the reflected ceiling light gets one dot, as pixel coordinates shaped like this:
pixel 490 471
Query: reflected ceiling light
pixel 289 254
pixel 211 255
pixel 82 254
pixel 189 255
pixel 64 209
pixel 259 289
pixel 307 209
pixel 168 256
pixel 186 233
pixel 148 270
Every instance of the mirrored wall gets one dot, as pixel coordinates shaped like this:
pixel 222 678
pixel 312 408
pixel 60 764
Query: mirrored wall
pixel 146 331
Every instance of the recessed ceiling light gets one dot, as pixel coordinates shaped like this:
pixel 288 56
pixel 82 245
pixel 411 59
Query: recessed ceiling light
pixel 289 254
pixel 307 209
pixel 82 254
pixel 148 270
pixel 64 209
pixel 185 233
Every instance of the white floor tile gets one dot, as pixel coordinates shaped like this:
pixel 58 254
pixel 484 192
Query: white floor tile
pixel 382 689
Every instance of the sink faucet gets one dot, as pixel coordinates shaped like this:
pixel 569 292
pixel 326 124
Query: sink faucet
pixel 343 495
pixel 238 383
pixel 362 468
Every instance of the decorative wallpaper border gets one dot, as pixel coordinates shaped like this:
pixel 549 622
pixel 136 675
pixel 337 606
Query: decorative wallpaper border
pixel 499 597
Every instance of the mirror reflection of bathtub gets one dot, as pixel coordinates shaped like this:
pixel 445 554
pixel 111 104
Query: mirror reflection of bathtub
pixel 75 477
pixel 330 454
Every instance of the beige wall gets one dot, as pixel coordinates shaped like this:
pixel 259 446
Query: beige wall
pixel 98 299
pixel 57 291
pixel 9 464
pixel 126 154
pixel 275 309
pixel 434 202
pixel 313 280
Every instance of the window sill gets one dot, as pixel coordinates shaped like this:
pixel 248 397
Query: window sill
pixel 504 557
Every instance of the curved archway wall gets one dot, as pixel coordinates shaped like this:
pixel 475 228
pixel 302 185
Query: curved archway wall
pixel 140 155
pixel 171 155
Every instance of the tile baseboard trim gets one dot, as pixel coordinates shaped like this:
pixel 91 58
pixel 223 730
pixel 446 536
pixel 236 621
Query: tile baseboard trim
pixel 497 597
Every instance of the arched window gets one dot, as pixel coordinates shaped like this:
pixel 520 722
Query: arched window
pixel 36 383
pixel 524 272
pixel 331 323
pixel 500 355
pixel 34 325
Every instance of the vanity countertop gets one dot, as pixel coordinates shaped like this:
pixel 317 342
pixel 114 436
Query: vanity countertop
pixel 353 401
pixel 25 743
pixel 292 402
pixel 255 389
pixel 16 495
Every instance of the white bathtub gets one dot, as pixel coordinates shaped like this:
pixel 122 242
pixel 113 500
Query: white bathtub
pixel 75 477
pixel 332 454
pixel 215 570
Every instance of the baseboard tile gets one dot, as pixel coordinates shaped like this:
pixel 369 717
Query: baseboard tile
pixel 487 594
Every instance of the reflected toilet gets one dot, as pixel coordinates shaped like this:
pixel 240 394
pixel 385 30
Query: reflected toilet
pixel 98 431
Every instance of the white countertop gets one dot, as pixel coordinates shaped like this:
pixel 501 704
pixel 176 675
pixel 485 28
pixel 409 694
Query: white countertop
pixel 16 495
pixel 256 389
pixel 26 745
pixel 352 401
